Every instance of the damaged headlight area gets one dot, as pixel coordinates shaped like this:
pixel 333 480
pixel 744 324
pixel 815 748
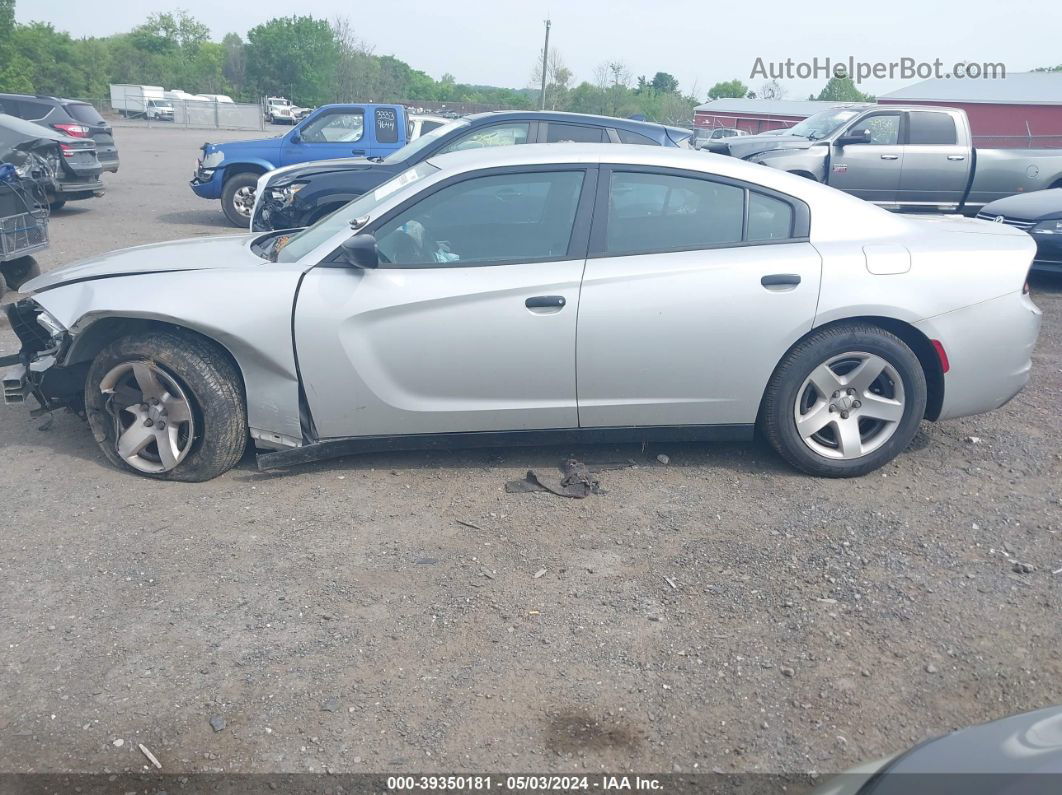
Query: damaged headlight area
pixel 44 341
pixel 285 194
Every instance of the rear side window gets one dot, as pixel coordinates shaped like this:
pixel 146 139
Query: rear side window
pixel 628 137
pixel 663 212
pixel 927 127
pixel 558 133
pixel 33 111
pixel 386 125
pixel 84 112
pixel 769 218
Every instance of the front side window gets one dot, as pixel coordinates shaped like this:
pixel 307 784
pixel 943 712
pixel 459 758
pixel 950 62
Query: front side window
pixel 928 127
pixel 577 133
pixel 345 127
pixel 884 128
pixel 496 135
pixel 504 218
pixel 664 212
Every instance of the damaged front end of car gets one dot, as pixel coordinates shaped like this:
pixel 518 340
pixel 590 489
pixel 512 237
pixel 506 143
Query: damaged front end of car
pixel 35 370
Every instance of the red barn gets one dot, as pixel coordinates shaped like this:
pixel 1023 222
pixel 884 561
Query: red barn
pixel 756 115
pixel 1023 109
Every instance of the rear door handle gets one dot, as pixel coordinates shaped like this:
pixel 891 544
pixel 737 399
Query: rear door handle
pixel 890 157
pixel 357 151
pixel 780 280
pixel 545 302
pixel 956 157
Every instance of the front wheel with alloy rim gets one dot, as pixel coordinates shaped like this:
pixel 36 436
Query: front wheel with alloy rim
pixel 237 198
pixel 167 405
pixel 845 401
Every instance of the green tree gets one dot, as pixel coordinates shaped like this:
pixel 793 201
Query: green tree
pixel 293 56
pixel 728 88
pixel 234 63
pixel 842 89
pixel 664 83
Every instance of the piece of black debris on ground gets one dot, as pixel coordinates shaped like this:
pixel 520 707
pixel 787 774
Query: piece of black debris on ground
pixel 578 480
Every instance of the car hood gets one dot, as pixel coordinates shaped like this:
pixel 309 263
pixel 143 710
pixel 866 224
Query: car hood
pixel 744 145
pixel 229 251
pixel 254 148
pixel 347 164
pixel 1041 205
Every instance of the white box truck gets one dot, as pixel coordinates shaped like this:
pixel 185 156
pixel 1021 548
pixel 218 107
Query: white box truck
pixel 144 102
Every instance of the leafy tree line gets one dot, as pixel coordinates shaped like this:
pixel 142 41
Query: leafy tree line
pixel 312 61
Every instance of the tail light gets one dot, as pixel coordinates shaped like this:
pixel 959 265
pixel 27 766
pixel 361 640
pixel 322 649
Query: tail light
pixel 73 130
pixel 68 150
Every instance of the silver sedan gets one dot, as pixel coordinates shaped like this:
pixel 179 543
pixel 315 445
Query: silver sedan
pixel 538 294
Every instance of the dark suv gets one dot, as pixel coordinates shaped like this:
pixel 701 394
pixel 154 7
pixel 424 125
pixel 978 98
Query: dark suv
pixel 299 195
pixel 69 116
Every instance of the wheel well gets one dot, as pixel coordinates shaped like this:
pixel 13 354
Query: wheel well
pixel 243 168
pixel 805 175
pixel 915 340
pixel 105 330
pixel 1057 183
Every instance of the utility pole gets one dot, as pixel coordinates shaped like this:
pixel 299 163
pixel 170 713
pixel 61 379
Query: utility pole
pixel 545 59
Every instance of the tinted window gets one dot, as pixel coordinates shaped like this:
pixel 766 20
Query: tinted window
pixel 558 133
pixel 884 128
pixel 769 218
pixel 345 127
pixel 497 135
pixel 82 111
pixel 628 137
pixel 496 219
pixel 32 110
pixel 660 212
pixel 926 127
pixel 386 125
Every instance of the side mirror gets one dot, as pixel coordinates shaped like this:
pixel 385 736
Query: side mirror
pixel 360 252
pixel 295 137
pixel 854 137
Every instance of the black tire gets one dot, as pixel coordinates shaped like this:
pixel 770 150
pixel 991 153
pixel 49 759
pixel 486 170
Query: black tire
pixel 778 420
pixel 19 271
pixel 210 381
pixel 228 197
pixel 56 204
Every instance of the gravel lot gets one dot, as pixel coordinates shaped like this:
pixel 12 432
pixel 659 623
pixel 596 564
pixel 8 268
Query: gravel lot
pixel 382 613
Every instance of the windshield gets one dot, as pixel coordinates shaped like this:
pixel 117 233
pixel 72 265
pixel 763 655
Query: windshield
pixel 300 244
pixel 161 103
pixel 822 124
pixel 427 139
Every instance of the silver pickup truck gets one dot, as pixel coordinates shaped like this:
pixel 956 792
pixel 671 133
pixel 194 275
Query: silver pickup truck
pixel 914 157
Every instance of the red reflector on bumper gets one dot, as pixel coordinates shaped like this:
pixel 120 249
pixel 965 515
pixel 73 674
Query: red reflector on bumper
pixel 942 354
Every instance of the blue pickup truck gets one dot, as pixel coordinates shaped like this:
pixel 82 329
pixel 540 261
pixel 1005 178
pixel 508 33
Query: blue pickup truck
pixel 229 171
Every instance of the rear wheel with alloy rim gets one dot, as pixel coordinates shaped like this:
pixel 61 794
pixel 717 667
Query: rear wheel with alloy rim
pixel 845 401
pixel 167 405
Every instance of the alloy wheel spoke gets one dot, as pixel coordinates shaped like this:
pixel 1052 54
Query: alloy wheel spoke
pixel 865 374
pixel 815 420
pixel 177 410
pixel 849 440
pixel 169 451
pixel 134 439
pixel 876 407
pixel 147 381
pixel 825 380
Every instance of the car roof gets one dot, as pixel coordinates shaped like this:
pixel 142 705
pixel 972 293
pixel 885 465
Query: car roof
pixel 633 125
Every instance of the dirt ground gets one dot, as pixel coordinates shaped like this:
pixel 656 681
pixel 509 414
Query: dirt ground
pixel 383 613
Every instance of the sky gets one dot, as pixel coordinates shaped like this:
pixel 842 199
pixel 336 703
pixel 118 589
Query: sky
pixel 701 42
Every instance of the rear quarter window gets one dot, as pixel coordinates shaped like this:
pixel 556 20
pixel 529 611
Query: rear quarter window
pixel 386 125
pixel 628 137
pixel 84 112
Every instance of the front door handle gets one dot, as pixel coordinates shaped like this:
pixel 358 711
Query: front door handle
pixel 780 280
pixel 956 157
pixel 545 302
pixel 890 157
